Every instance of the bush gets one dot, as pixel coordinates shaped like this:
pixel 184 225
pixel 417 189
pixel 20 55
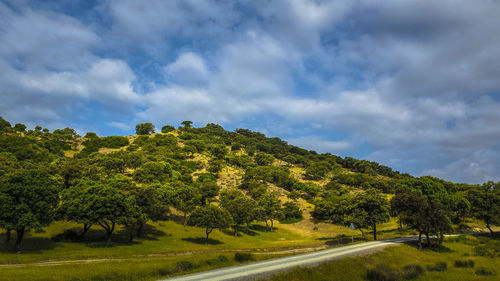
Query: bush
pixel 412 271
pixel 223 258
pixel 241 257
pixel 439 266
pixel 467 263
pixel 382 272
pixel 167 128
pixel 485 272
pixel 164 271
pixel 184 266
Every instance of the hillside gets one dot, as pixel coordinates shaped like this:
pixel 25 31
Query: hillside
pixel 123 197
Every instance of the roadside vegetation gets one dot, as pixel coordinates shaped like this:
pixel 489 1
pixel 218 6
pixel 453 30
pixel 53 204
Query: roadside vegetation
pixel 458 258
pixel 206 190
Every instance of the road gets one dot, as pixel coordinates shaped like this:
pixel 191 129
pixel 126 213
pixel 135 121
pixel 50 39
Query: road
pixel 253 270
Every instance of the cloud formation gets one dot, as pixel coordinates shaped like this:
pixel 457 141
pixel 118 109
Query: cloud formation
pixel 411 84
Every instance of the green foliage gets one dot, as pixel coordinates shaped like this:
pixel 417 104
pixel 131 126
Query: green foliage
pixel 268 208
pixel 90 135
pixel 364 210
pixel 291 213
pixel 19 127
pixel 318 170
pixel 412 271
pixel 153 172
pixel 5 125
pixel 485 203
pixel 28 199
pixel 485 272
pixel 210 217
pixel 144 128
pixel 242 257
pixel 382 272
pixel 184 266
pixel 167 129
pixel 239 206
pixel 187 124
pixel 65 134
pixel 439 266
pixel 464 263
pixel 263 159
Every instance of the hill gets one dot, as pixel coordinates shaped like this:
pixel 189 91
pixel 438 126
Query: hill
pixel 206 189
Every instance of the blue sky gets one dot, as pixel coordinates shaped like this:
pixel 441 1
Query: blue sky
pixel 410 84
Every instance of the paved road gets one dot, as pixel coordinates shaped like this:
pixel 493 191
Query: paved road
pixel 248 271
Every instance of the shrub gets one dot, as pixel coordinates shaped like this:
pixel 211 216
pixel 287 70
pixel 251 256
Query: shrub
pixel 412 271
pixel 485 272
pixel 382 272
pixel 164 271
pixel 167 128
pixel 439 266
pixel 223 258
pixel 184 266
pixel 467 263
pixel 241 257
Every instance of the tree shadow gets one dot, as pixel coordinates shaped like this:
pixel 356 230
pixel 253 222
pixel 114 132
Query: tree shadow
pixel 30 244
pixel 339 240
pixel 201 240
pixel 261 228
pixel 96 236
pixel 434 247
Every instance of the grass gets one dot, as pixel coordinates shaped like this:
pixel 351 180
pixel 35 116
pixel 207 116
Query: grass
pixel 407 262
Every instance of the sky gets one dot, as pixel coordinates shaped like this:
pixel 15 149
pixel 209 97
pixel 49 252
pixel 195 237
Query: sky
pixel 414 85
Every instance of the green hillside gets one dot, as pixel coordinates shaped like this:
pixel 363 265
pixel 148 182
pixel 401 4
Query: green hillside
pixel 153 197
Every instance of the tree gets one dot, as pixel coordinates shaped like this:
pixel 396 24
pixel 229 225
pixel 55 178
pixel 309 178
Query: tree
pixel 239 206
pixel 144 128
pixel 90 135
pixel 153 171
pixel 364 210
pixel 422 213
pixel 187 124
pixel 184 197
pixel 208 187
pixel 5 125
pixel 152 203
pixel 210 217
pixel 28 199
pixel 95 203
pixel 485 203
pixel 19 127
pixel 167 128
pixel 268 208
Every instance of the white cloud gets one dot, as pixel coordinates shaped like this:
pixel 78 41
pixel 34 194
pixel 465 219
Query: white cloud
pixel 320 145
pixel 189 69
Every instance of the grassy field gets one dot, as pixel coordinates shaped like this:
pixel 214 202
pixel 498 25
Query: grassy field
pixel 478 259
pixel 46 255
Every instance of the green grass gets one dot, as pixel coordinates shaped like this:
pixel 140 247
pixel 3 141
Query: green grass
pixel 152 268
pixel 396 258
pixel 163 237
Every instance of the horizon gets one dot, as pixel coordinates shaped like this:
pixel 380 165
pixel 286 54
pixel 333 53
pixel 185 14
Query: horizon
pixel 412 86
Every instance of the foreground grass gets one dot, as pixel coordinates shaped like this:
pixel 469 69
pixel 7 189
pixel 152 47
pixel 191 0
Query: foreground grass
pixel 480 251
pixel 152 268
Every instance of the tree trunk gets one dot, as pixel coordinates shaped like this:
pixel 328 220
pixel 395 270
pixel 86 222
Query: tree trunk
pixel 272 224
pixel 185 218
pixel 86 228
pixel 428 240
pixel 362 233
pixel 420 240
pixel 19 238
pixel 400 224
pixel 489 228
pixel 267 226
pixel 207 232
pixel 441 237
pixel 139 229
pixel 374 231
pixel 7 236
